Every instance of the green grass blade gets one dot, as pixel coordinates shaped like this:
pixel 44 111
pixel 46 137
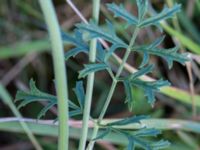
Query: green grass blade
pixel 161 124
pixel 47 128
pixel 189 26
pixel 188 43
pixel 22 48
pixel 188 139
pixel 180 95
pixel 6 98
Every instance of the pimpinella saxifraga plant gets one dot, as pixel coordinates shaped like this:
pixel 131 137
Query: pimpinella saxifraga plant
pixel 83 34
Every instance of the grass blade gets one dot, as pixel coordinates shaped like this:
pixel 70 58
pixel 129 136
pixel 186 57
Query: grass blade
pixel 188 43
pixel 22 48
pixel 6 98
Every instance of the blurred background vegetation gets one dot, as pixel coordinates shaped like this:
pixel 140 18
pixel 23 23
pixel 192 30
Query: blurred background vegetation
pixel 24 54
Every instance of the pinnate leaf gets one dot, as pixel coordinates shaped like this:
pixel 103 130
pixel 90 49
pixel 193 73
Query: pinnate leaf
pixel 142 8
pixel 120 11
pixel 169 55
pixel 138 137
pixel 157 42
pixel 96 32
pixel 141 72
pixel 112 50
pixel 150 87
pixel 35 95
pixel 81 46
pixel 144 143
pixel 89 68
pixel 45 109
pixel 165 14
pixel 73 52
pixel 129 86
pixel 76 39
pixel 126 121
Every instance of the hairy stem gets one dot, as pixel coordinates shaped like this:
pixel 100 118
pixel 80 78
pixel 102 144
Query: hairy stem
pixel 90 81
pixel 112 89
pixel 59 71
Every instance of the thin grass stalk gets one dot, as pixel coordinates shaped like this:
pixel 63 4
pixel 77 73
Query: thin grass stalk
pixel 8 101
pixel 59 71
pixel 188 65
pixel 112 89
pixel 90 81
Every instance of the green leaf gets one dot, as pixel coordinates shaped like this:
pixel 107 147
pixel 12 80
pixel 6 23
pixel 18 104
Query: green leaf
pixel 165 14
pixel 142 8
pixel 129 94
pixel 100 52
pixel 145 60
pixel 6 98
pixel 73 52
pixel 146 132
pixel 81 46
pixel 141 72
pixel 96 32
pixel 111 51
pixel 91 68
pixel 147 145
pixel 75 112
pixel 103 134
pixel 135 119
pixel 35 95
pixel 129 86
pixel 80 94
pixel 157 42
pixel 169 55
pixel 76 40
pixel 45 109
pixel 153 45
pixel 162 144
pixel 26 102
pixel 150 87
pixel 139 141
pixel 120 11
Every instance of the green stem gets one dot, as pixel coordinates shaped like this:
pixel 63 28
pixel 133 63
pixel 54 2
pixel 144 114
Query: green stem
pixel 8 101
pixel 90 81
pixel 59 71
pixel 113 86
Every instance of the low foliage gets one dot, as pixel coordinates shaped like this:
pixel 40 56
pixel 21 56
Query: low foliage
pixel 83 34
